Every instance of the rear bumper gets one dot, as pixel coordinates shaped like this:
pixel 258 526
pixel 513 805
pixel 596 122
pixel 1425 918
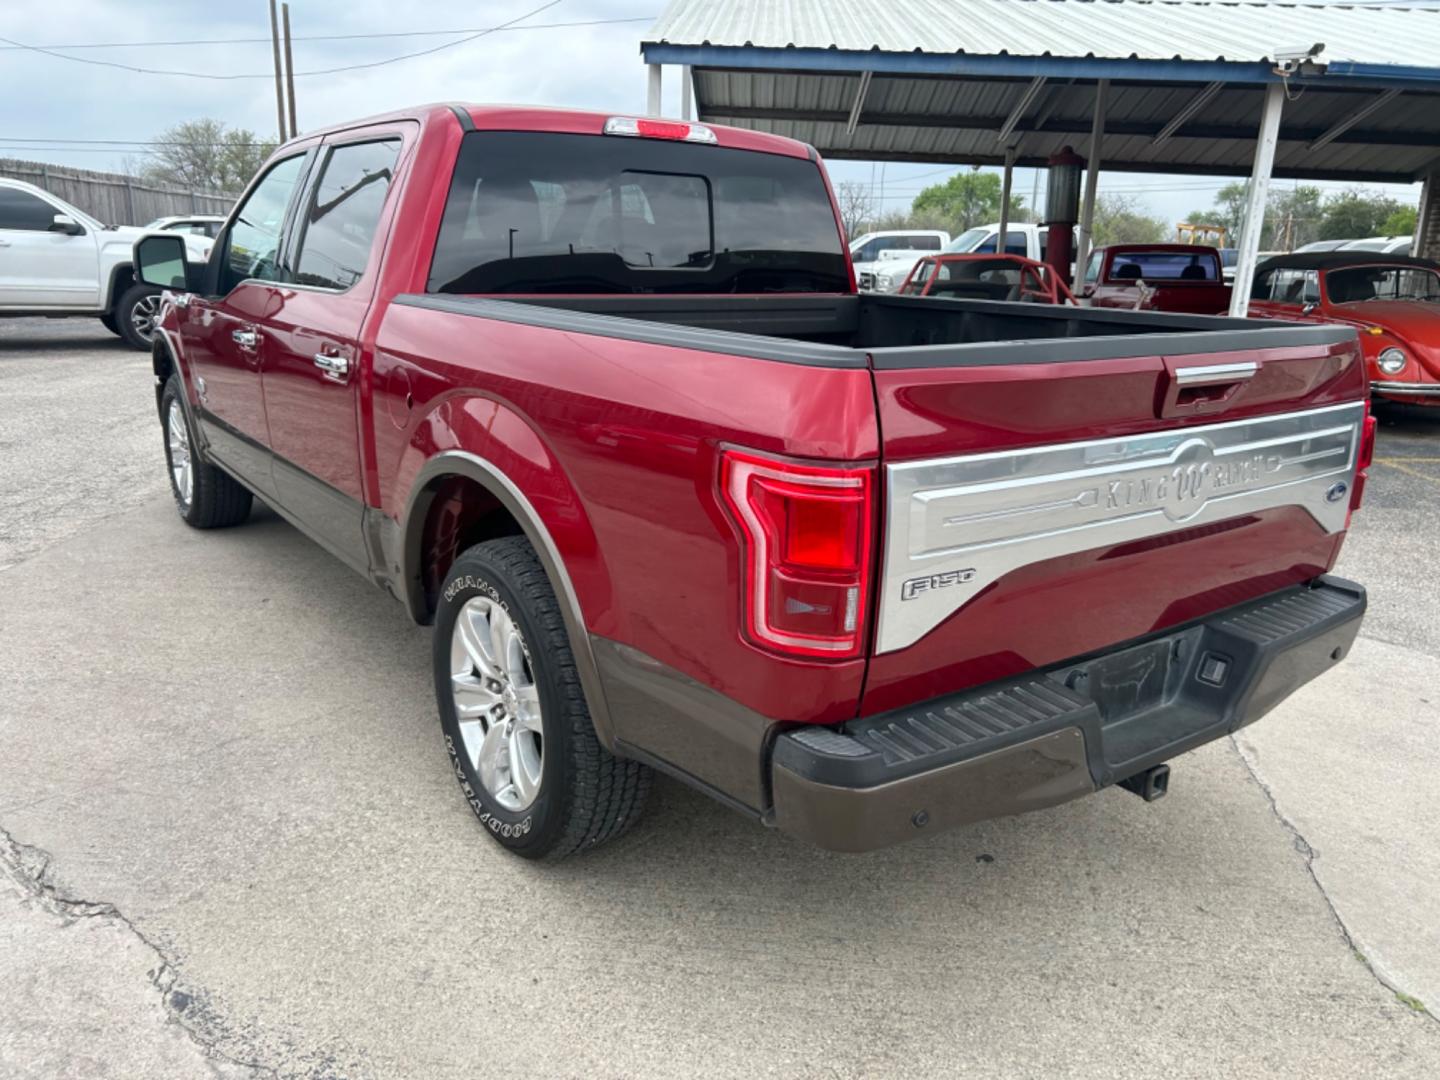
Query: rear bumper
pixel 1406 389
pixel 1057 734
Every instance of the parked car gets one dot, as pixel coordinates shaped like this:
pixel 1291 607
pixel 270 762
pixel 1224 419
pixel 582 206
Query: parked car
pixel 1022 238
pixel 1229 260
pixel 1387 245
pixel 1392 300
pixel 58 261
pixel 987 277
pixel 1156 277
pixel 1319 245
pixel 872 249
pixel 595 397
pixel 207 225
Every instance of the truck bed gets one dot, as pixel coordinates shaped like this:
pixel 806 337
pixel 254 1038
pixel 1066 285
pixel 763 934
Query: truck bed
pixel 887 332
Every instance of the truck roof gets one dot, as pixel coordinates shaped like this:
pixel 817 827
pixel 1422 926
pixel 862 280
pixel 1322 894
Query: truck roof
pixel 547 118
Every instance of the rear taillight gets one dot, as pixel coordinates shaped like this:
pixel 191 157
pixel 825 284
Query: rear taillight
pixel 806 552
pixel 1364 457
pixel 659 129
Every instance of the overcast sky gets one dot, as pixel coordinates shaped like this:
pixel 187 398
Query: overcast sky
pixel 593 66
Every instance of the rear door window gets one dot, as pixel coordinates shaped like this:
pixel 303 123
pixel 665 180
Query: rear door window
pixel 532 212
pixel 343 214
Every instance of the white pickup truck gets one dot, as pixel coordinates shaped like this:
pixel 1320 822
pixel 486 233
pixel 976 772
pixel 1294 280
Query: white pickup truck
pixel 1021 238
pixel 58 261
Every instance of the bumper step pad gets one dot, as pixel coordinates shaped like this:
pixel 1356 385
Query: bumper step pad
pixel 1136 707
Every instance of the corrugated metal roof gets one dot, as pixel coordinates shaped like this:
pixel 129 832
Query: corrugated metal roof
pixel 1198 30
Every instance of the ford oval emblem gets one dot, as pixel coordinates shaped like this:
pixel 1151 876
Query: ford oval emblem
pixel 1337 491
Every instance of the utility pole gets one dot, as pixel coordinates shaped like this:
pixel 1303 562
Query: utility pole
pixel 279 85
pixel 289 70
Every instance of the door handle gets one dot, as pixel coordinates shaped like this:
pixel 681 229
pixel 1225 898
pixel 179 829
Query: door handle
pixel 335 366
pixel 247 339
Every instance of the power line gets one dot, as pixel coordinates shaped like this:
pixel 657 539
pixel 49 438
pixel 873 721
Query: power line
pixel 328 37
pixel 270 74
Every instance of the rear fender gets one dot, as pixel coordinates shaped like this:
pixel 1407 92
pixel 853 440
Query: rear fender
pixel 488 442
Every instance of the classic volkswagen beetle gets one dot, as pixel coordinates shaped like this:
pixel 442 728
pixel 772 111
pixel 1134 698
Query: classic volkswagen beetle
pixel 1393 300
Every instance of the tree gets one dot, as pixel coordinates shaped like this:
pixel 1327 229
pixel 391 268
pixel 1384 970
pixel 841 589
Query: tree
pixel 1121 219
pixel 1401 223
pixel 966 200
pixel 1353 214
pixel 1293 218
pixel 857 206
pixel 205 154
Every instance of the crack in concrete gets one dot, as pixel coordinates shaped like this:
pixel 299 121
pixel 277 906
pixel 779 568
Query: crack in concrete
pixel 1307 857
pixel 29 867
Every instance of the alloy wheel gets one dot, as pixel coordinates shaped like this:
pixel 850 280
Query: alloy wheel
pixel 497 704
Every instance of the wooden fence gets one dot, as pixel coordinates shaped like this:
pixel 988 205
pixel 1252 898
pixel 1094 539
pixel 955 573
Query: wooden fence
pixel 113 198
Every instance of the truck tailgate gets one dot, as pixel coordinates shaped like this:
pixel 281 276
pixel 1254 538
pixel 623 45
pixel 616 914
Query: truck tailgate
pixel 1046 501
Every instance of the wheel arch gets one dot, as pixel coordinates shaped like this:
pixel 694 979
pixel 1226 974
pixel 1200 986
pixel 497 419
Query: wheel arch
pixel 122 276
pixel 511 507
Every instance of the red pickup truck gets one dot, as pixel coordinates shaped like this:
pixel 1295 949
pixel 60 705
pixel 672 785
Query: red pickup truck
pixel 1157 277
pixel 597 398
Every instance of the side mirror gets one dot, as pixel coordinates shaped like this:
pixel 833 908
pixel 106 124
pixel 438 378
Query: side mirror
pixel 1310 305
pixel 64 223
pixel 160 260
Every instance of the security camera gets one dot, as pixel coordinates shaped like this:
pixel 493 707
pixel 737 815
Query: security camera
pixel 1289 61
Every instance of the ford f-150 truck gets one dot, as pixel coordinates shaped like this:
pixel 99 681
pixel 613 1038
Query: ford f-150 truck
pixel 596 397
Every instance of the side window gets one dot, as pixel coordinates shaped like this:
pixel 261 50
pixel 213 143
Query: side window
pixel 1015 243
pixel 344 212
pixel 927 243
pixel 253 247
pixel 1092 268
pixel 23 212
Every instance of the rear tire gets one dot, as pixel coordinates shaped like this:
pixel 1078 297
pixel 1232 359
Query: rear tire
pixel 513 713
pixel 135 315
pixel 206 497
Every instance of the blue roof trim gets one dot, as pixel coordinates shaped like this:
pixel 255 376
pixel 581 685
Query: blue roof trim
pixel 1252 73
pixel 1392 73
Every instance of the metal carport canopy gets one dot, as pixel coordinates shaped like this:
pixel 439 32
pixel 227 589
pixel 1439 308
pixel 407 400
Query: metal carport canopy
pixel 940 80
pixel 1168 86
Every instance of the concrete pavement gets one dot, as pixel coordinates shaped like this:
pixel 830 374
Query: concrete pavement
pixel 229 739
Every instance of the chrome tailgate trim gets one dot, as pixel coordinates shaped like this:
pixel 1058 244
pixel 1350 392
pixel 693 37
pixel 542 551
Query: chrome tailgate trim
pixel 956 525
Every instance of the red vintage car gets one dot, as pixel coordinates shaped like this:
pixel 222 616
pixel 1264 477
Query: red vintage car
pixel 987 277
pixel 1393 300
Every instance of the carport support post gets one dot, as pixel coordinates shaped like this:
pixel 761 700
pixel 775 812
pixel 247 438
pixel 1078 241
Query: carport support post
pixel 1002 242
pixel 1257 197
pixel 1092 177
pixel 652 96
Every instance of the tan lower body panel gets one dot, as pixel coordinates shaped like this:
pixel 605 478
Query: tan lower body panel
pixel 1029 776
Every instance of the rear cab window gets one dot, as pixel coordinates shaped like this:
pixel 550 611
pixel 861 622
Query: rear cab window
pixel 533 212
pixel 1169 266
pixel 338 227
